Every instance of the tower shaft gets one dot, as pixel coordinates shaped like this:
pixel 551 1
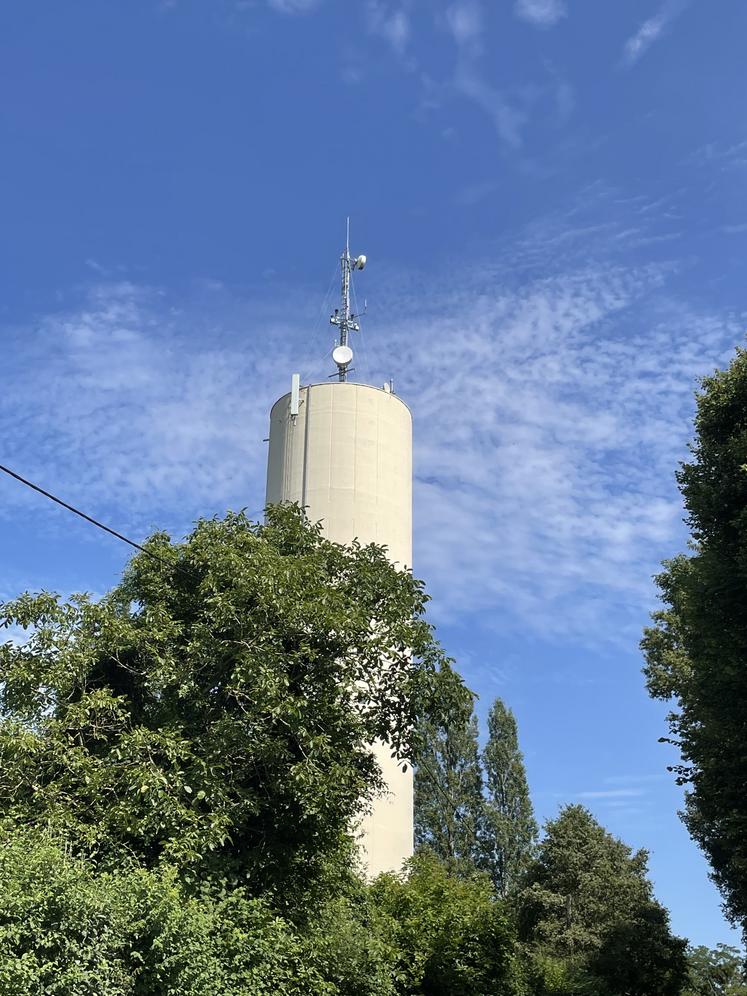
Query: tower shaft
pixel 347 459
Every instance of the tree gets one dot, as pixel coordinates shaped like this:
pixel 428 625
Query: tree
pixel 351 942
pixel 451 935
pixel 588 901
pixel 214 710
pixel 640 956
pixel 715 972
pixel 696 651
pixel 448 779
pixel 510 830
pixel 66 930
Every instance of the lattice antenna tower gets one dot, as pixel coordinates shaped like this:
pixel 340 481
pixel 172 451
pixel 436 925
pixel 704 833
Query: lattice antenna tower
pixel 342 317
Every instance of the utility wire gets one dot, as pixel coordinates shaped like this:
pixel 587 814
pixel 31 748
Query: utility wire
pixel 88 518
pixel 149 553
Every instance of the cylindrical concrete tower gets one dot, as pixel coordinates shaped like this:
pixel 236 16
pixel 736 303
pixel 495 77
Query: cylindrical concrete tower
pixel 346 457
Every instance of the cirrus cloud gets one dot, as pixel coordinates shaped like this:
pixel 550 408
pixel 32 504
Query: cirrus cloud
pixel 551 384
pixel 541 13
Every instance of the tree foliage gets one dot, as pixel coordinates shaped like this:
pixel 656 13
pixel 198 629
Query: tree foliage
pixel 448 778
pixel 715 972
pixel 472 807
pixel 451 935
pixel 509 830
pixel 214 710
pixel 696 651
pixel 587 902
pixel 639 955
pixel 66 930
pixel 182 761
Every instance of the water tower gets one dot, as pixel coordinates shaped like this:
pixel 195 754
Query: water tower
pixel 343 451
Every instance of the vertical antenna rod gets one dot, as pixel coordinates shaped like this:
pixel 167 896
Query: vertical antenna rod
pixel 342 318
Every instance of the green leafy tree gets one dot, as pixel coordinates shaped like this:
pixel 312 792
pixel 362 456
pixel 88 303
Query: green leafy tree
pixel 640 956
pixel 555 975
pixel 510 830
pixel 588 901
pixel 451 936
pixel 351 943
pixel 715 972
pixel 68 931
pixel 214 710
pixel 449 807
pixel 696 651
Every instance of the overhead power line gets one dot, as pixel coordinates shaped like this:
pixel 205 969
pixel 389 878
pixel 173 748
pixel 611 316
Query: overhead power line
pixel 87 518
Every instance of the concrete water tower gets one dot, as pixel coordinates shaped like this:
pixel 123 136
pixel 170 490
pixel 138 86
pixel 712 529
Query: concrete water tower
pixel 343 451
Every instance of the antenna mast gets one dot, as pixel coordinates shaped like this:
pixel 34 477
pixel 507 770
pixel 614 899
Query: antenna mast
pixel 342 354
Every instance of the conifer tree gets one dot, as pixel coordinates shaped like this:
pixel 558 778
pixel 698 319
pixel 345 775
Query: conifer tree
pixel 588 904
pixel 509 830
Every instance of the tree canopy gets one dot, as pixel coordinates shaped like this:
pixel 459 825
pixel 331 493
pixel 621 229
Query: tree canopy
pixel 696 650
pixel 587 902
pixel 472 806
pixel 453 938
pixel 183 761
pixel 715 972
pixel 448 779
pixel 214 710
pixel 68 930
pixel 510 830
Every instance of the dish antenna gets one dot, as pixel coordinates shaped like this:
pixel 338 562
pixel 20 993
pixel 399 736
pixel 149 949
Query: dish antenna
pixel 342 354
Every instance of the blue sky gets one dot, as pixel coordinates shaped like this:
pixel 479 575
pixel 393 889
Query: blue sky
pixel 551 194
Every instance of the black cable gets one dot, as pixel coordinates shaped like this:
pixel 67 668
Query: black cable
pixel 149 553
pixel 94 522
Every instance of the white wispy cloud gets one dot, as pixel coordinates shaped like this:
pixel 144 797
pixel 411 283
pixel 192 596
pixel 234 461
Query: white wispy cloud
pixel 390 21
pixel 553 405
pixel 621 793
pixel 651 30
pixel 473 193
pixel 465 21
pixel 293 6
pixel 724 156
pixel 625 803
pixel 542 13
pixel 622 800
pixel 507 119
pixel 126 402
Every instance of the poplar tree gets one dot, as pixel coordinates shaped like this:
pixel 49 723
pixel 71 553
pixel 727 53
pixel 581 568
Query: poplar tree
pixel 448 781
pixel 509 829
